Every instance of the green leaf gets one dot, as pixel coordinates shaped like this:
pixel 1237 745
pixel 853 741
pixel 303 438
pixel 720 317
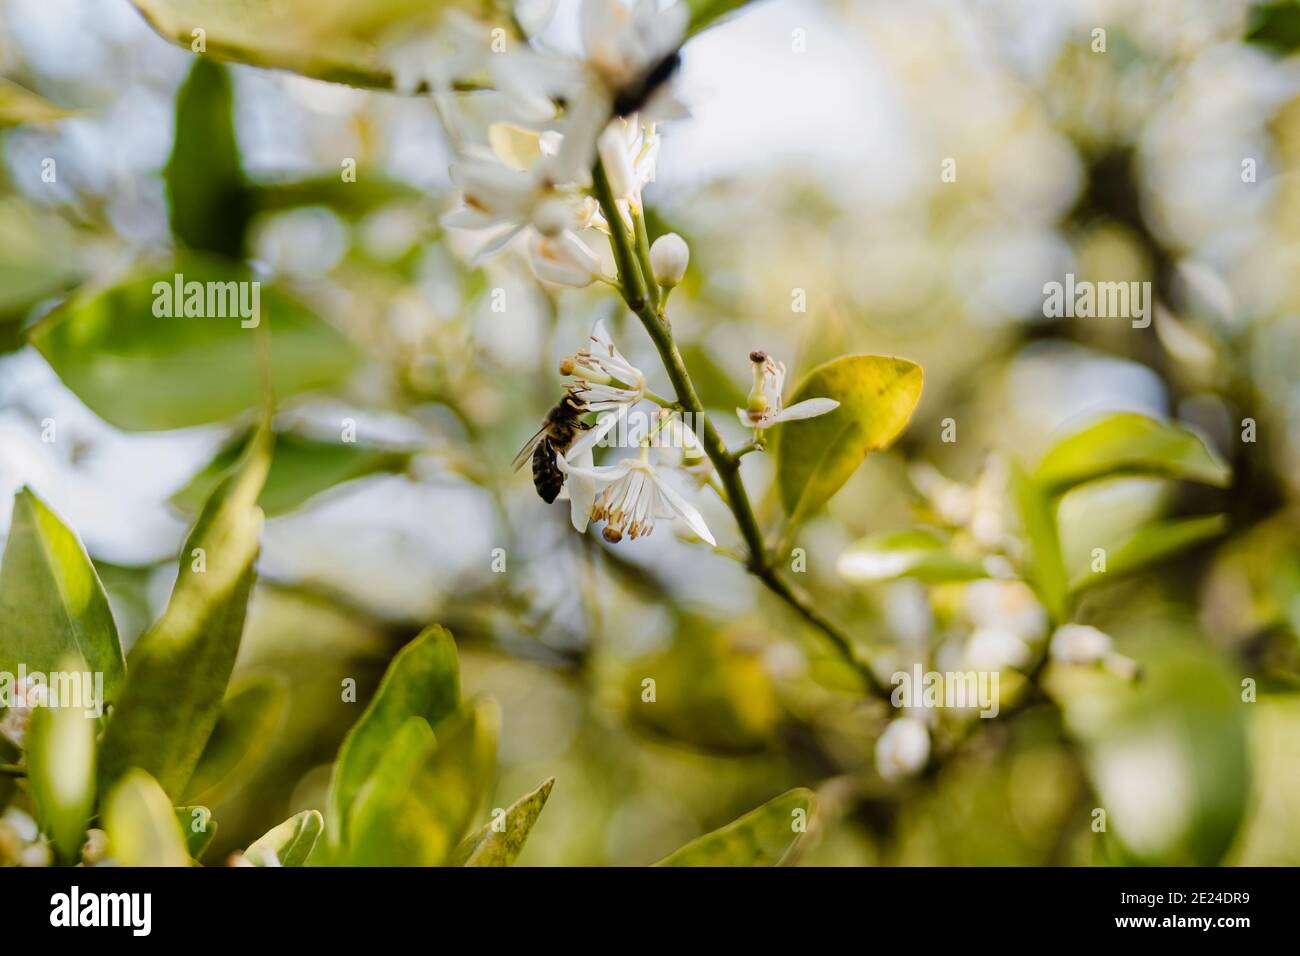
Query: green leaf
pixel 905 554
pixel 424 794
pixel 290 843
pixel 205 184
pixel 705 12
pixel 144 372
pixel 180 667
pixel 1275 26
pixel 816 456
pixel 1152 543
pixel 20 106
pixel 1168 756
pixel 39 258
pixel 489 847
pixel 1130 444
pixel 245 730
pixel 141 826
pixel 199 828
pixel 1044 564
pixel 61 772
pixel 423 681
pixel 336 40
pixel 51 599
pixel 347 199
pixel 766 836
pixel 301 468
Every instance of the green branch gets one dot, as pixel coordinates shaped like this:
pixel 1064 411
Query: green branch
pixel 639 298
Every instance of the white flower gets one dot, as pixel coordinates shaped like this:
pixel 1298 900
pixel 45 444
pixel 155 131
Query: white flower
pixel 18 712
pixel 996 648
pixel 435 59
pixel 669 257
pixel 765 407
pixel 903 749
pixel 606 379
pixel 630 154
pixel 632 496
pixel 1079 644
pixel 506 194
pixel 1083 644
pixel 564 259
pixel 622 45
pixel 1008 619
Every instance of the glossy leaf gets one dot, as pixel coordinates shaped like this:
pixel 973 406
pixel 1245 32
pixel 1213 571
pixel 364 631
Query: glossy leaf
pixel 180 667
pixel 905 554
pixel 706 12
pixel 245 730
pixel 39 258
pixel 417 805
pixel 766 836
pixel 19 106
pixel 290 843
pixel 1130 444
pixel 205 185
pixel 141 826
pixel 1152 543
pixel 1168 755
pixel 367 194
pixel 422 681
pixel 501 846
pixel 1044 564
pixel 61 772
pixel 51 599
pixel 336 40
pixel 143 372
pixel 301 468
pixel 816 456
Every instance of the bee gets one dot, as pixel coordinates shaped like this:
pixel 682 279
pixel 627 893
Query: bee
pixel 637 94
pixel 560 428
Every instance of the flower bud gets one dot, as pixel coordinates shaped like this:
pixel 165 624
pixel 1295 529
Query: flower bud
pixel 903 749
pixel 1079 644
pixel 669 257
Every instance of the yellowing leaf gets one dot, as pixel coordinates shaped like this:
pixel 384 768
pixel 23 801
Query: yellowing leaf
pixel 816 456
pixel 19 106
pixel 290 843
pixel 766 836
pixel 142 829
pixel 61 771
pixel 337 40
pixel 180 667
pixel 500 846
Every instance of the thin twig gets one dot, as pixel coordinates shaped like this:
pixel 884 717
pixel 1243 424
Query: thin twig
pixel 639 298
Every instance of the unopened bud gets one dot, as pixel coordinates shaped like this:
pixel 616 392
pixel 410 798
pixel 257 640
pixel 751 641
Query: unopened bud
pixel 669 257
pixel 903 749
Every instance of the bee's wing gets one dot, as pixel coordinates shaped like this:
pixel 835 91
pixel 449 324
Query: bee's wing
pixel 527 451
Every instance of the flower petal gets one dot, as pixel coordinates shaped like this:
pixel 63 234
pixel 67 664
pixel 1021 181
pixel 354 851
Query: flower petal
pixel 582 491
pixel 809 408
pixel 592 436
pixel 685 510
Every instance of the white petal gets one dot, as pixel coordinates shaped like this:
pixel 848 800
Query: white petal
pixel 582 491
pixel 746 419
pixel 685 510
pixel 592 436
pixel 810 408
